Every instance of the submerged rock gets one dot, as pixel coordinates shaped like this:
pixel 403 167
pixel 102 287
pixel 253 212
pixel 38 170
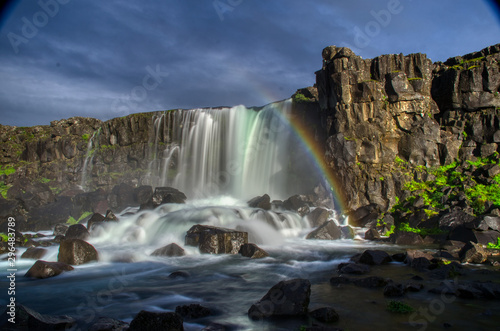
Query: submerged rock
pixel 325 315
pixel 43 269
pixel 109 324
pixel 28 319
pixel 328 231
pixel 169 250
pixel 193 311
pixel 353 268
pixel 34 253
pixel 76 251
pixel 252 251
pixel 287 298
pixel 214 240
pixel 146 321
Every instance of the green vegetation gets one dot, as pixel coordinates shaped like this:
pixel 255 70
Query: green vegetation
pixel 299 97
pixel 399 307
pixel 7 170
pixel 71 220
pixel 44 180
pixel 4 237
pixel 457 67
pixel 493 246
pixel 414 78
pixel 86 137
pixel 477 59
pixel 4 188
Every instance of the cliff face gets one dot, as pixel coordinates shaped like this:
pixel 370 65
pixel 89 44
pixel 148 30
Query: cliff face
pixel 379 112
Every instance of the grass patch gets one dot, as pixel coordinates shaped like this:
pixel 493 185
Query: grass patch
pixel 7 170
pixel 399 307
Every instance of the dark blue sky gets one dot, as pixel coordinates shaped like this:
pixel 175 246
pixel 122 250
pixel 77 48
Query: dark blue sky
pixel 105 59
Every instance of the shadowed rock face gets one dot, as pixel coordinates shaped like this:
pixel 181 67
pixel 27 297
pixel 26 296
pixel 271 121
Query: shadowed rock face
pixel 375 110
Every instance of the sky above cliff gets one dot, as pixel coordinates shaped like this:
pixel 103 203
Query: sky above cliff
pixel 105 59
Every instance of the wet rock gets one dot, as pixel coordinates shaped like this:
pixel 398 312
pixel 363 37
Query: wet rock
pixel 146 321
pixel 28 319
pixel 473 253
pixel 412 254
pixel 298 203
pixel 180 274
pixel 169 250
pixel 353 268
pixel 374 257
pixel 193 311
pixel 263 202
pixel 77 231
pixel 252 251
pixel 287 298
pixel 364 215
pixel 414 287
pixel 110 216
pixel 328 231
pixel 347 232
pixel 392 290
pixel 164 195
pixel 318 216
pixel 121 197
pixel 108 324
pixel 60 229
pixel 76 252
pixel 399 257
pixel 95 219
pixel 213 240
pixel 325 315
pixel 35 253
pixel 420 263
pixel 406 238
pixel 372 234
pixel 143 194
pixel 45 217
pixel 43 269
pixel 370 282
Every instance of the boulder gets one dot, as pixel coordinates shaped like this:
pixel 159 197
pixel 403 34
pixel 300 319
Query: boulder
pixel 76 252
pixel 325 315
pixel 394 290
pixel 95 219
pixel 60 229
pixel 297 203
pixel 28 319
pixel 148 321
pixel 406 238
pixel 121 197
pixel 77 231
pixel 34 253
pixel 263 202
pixel 353 268
pixel 412 254
pixel 347 232
pixel 420 263
pixel 473 253
pixel 143 194
pixel 374 257
pixel 364 215
pixel 214 240
pixel 164 195
pixel 252 251
pixel 108 324
pixel 193 311
pixel 287 298
pixel 318 216
pixel 43 269
pixel 328 231
pixel 372 234
pixel 169 250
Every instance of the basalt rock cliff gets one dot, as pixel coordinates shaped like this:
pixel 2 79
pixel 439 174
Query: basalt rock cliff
pixel 369 116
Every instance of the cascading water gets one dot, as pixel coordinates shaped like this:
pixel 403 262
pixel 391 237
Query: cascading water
pixel 233 151
pixel 89 157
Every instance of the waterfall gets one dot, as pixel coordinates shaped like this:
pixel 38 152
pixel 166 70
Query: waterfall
pixel 89 157
pixel 230 151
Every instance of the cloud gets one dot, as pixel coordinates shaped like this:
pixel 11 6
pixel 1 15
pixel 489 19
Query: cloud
pixel 93 54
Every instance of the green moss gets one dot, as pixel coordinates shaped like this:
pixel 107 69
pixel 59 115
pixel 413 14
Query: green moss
pixel 71 220
pixel 299 97
pixel 477 59
pixel 399 307
pixel 4 188
pixel 44 180
pixel 414 78
pixel 457 67
pixel 493 246
pixel 4 237
pixel 86 137
pixel 7 170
